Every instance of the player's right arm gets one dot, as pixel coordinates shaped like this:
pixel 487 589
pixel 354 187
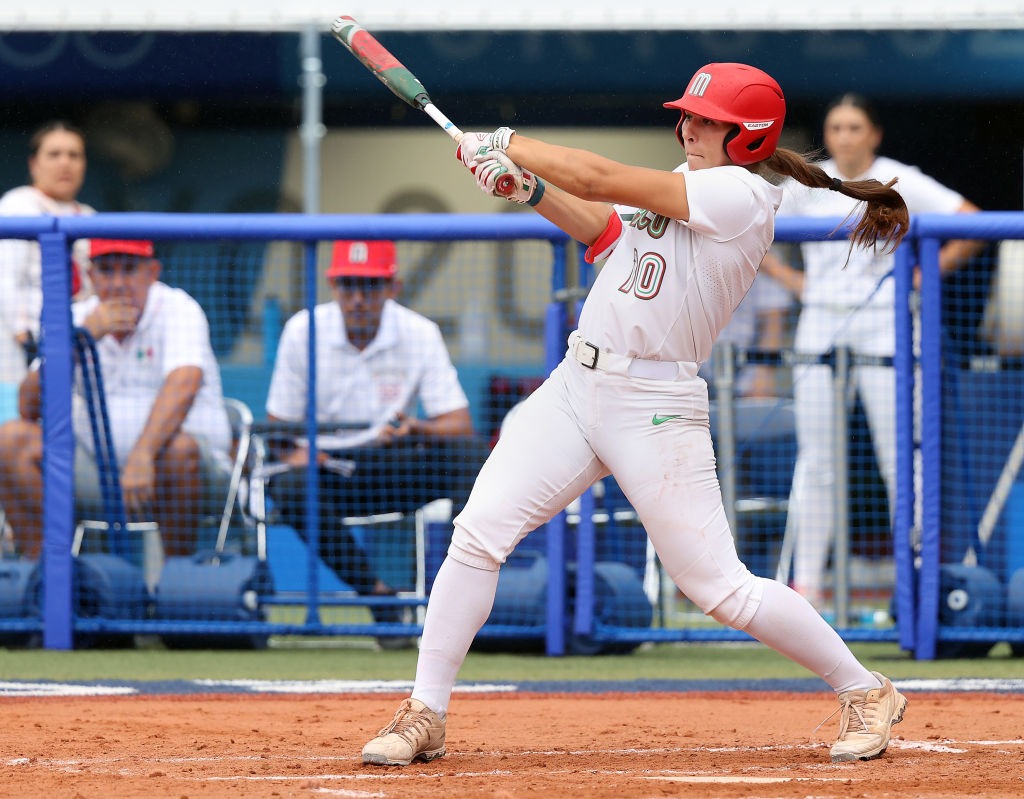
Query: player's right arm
pixel 589 183
pixel 583 220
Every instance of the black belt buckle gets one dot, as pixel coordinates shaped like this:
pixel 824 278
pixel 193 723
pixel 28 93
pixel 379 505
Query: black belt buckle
pixel 597 352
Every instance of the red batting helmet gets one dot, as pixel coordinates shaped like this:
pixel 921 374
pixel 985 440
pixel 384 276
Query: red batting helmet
pixel 363 259
pixel 744 95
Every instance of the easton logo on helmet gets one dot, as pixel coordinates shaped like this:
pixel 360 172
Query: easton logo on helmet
pixel 700 83
pixel 758 125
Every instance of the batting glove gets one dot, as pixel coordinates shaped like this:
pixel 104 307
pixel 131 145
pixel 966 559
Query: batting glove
pixel 473 146
pixel 528 187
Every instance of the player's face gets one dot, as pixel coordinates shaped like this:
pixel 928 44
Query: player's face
pixel 704 141
pixel 124 277
pixel 361 300
pixel 58 166
pixel 851 139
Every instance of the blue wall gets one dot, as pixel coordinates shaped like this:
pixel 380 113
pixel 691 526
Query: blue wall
pixel 922 64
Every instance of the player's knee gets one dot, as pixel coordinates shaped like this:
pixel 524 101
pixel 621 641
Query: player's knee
pixel 469 548
pixel 739 607
pixel 181 455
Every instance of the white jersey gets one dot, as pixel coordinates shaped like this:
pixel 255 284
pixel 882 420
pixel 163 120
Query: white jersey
pixel 669 287
pixel 21 286
pixel 172 332
pixel 406 363
pixel 831 279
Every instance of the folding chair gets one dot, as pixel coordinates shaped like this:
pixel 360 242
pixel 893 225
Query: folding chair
pixel 259 507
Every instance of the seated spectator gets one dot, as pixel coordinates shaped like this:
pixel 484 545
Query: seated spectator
pixel 376 361
pixel 170 431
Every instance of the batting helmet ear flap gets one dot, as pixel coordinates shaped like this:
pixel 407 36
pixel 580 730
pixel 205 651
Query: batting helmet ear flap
pixel 679 129
pixel 729 138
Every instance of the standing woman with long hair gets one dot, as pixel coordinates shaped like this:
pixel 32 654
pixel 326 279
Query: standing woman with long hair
pixel 56 166
pixel 847 298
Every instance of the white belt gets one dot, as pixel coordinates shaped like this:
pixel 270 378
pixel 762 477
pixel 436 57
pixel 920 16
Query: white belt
pixel 593 357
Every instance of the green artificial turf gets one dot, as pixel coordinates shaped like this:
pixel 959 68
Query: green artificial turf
pixel 357 659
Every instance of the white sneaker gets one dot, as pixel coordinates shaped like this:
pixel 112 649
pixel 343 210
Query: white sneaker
pixel 867 721
pixel 415 733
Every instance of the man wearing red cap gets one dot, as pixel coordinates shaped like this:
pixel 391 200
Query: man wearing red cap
pixel 376 361
pixel 170 431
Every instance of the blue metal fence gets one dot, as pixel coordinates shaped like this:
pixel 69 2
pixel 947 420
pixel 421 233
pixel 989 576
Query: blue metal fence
pixel 917 554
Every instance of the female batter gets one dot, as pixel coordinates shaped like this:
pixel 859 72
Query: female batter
pixel 627 401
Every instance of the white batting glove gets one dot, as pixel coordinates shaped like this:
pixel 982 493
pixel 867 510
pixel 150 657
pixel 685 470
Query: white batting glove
pixel 473 145
pixel 528 188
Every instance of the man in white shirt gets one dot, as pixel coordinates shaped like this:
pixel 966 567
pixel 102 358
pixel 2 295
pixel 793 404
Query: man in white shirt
pixel 170 431
pixel 376 362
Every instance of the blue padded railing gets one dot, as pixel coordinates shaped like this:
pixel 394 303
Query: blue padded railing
pixel 917 588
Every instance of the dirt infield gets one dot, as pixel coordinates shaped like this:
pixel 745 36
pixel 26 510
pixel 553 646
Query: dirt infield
pixel 504 745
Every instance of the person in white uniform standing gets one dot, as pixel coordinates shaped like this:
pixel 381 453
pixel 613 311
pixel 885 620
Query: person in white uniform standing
pixel 56 165
pixel 627 401
pixel 848 301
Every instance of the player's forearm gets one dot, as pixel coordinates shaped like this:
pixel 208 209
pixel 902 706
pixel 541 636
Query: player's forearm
pixel 789 278
pixel 955 253
pixel 453 423
pixel 170 409
pixel 583 220
pixel 30 396
pixel 581 173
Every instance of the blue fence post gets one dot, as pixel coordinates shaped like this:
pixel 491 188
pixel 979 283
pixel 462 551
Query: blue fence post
pixel 58 443
pixel 271 329
pixel 586 533
pixel 903 518
pixel 931 449
pixel 554 350
pixel 312 470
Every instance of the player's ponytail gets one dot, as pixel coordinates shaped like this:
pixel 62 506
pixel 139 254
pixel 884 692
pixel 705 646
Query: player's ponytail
pixel 885 217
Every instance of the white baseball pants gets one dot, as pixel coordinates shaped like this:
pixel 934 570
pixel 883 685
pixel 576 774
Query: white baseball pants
pixel 868 331
pixel 583 424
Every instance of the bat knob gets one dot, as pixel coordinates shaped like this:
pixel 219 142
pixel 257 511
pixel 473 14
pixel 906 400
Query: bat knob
pixel 505 186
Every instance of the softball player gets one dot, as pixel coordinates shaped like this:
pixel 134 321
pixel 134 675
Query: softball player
pixel 627 401
pixel 847 300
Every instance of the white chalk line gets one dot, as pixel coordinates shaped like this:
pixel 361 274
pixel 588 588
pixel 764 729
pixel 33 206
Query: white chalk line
pixel 344 686
pixel 63 689
pixel 13 688
pixel 744 779
pixel 143 765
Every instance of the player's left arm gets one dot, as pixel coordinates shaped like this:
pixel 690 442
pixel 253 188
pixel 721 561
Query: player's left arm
pixel 956 252
pixel 593 177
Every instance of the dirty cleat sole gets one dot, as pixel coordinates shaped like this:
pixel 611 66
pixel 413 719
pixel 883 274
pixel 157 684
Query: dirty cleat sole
pixel 380 759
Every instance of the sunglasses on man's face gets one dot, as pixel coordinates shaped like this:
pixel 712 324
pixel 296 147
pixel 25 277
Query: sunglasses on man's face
pixel 107 266
pixel 364 285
